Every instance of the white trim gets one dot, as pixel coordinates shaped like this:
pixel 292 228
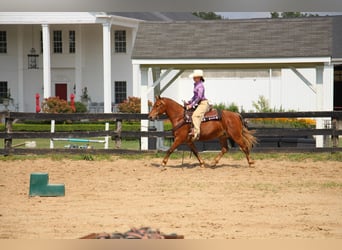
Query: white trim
pixel 65 18
pixel 46 17
pixel 232 61
pixel 336 60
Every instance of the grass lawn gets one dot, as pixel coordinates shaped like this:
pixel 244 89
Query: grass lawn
pixel 45 143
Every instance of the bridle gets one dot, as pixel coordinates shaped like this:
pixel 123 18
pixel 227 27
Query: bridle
pixel 179 125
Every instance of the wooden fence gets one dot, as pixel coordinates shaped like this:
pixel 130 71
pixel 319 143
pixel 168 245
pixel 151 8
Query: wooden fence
pixel 270 139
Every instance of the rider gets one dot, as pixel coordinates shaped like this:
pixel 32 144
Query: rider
pixel 197 102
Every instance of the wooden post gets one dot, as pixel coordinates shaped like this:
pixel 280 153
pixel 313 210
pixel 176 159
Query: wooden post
pixel 8 138
pixel 118 133
pixel 334 135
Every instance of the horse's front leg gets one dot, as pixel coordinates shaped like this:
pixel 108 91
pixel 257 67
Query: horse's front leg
pixel 195 151
pixel 174 145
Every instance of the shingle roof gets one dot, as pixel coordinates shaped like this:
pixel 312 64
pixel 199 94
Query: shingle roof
pixel 158 16
pixel 250 38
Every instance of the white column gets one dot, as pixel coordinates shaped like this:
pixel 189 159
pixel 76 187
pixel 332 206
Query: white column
pixel 144 105
pixel 20 99
pixel 319 104
pixel 324 95
pixel 78 63
pixel 328 87
pixel 107 78
pixel 46 61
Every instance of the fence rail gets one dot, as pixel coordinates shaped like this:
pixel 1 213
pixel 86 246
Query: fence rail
pixel 265 134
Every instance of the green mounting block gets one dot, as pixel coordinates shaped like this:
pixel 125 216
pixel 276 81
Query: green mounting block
pixel 39 186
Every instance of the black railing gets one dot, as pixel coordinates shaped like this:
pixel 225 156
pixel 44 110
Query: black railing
pixel 274 139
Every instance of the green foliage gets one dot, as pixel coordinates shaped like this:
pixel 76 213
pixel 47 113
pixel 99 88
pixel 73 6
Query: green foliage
pixel 132 105
pixel 231 107
pixel 207 15
pixel 56 105
pixel 284 122
pixel 262 105
pixel 88 157
pixel 80 107
pixel 291 14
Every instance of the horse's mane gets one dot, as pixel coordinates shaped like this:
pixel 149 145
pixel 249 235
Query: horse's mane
pixel 171 100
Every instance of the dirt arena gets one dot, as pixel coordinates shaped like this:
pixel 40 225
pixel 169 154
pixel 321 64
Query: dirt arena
pixel 277 199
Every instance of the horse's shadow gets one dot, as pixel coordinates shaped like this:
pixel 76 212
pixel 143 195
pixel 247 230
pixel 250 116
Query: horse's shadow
pixel 196 165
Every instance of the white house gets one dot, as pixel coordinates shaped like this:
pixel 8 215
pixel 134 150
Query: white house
pixel 294 63
pixel 84 49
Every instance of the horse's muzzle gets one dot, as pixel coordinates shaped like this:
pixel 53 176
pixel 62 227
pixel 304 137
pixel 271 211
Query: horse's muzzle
pixel 151 118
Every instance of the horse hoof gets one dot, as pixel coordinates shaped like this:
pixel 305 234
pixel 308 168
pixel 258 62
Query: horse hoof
pixel 213 165
pixel 162 168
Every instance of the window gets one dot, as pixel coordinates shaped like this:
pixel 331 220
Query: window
pixel 41 41
pixel 3 90
pixel 57 41
pixel 3 42
pixel 120 41
pixel 72 41
pixel 120 91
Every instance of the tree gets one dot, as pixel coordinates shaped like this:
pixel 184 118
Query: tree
pixel 207 15
pixel 291 14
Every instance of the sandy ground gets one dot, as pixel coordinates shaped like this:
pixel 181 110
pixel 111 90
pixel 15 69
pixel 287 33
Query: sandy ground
pixel 274 200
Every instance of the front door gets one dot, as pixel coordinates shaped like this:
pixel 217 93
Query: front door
pixel 61 91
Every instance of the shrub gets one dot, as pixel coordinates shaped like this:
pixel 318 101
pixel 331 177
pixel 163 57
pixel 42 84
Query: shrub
pixel 131 105
pixel 232 107
pixel 262 105
pixel 80 107
pixel 55 105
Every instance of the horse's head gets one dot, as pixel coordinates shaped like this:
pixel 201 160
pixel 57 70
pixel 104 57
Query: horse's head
pixel 158 108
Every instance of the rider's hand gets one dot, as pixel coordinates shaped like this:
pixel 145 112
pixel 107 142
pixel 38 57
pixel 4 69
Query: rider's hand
pixel 188 107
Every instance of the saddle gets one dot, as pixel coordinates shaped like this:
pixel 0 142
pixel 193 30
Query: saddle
pixel 211 115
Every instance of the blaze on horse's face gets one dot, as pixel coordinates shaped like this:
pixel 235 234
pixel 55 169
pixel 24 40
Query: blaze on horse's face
pixel 157 109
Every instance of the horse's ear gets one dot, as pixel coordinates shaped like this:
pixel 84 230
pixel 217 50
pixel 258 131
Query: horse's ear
pixel 157 97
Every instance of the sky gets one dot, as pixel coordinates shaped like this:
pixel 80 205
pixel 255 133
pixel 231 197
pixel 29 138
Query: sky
pixel 243 15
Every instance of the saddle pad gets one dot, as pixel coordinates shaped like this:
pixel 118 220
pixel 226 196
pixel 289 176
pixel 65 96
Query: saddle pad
pixel 211 115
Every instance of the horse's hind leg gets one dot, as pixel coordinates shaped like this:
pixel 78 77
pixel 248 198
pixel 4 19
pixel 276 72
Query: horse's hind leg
pixel 244 148
pixel 224 149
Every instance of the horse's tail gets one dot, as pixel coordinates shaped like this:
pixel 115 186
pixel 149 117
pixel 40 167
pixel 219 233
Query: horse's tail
pixel 248 135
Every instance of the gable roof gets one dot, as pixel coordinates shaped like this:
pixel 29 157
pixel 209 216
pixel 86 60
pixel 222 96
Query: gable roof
pixel 249 38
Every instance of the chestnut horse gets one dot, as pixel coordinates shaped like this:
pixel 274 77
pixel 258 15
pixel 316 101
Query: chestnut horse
pixel 229 126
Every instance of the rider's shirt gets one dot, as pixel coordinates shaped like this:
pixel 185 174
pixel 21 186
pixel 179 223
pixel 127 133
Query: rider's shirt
pixel 198 94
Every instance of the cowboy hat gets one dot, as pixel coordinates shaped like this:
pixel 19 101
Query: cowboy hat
pixel 196 73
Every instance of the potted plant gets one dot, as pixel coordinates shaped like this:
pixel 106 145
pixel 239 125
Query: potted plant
pixel 85 98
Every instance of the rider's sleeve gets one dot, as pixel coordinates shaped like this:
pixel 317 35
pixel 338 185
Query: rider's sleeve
pixel 198 95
